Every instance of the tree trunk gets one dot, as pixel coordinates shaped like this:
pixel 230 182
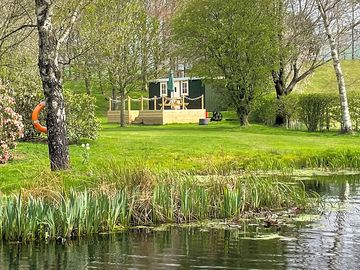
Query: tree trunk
pixel 353 38
pixel 346 120
pixel 114 99
pixel 87 80
pixel 51 77
pixel 243 115
pixel 122 108
pixel 279 119
pixel 113 91
pixel 280 88
pixel 87 85
pixel 101 86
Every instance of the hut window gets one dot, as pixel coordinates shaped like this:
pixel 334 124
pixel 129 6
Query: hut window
pixel 163 89
pixel 185 88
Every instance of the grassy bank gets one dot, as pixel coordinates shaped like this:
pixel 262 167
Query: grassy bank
pixel 215 149
pixel 150 200
pixel 323 80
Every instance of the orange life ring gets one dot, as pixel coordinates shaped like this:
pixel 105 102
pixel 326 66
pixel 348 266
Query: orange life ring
pixel 35 117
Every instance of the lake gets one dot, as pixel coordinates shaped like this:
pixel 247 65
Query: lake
pixel 330 241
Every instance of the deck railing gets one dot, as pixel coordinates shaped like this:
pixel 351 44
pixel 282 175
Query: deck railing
pixel 165 101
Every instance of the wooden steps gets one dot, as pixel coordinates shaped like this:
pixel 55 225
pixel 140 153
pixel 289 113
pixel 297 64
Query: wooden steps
pixel 159 117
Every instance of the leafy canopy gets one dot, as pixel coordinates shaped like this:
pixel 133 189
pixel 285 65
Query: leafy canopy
pixel 234 39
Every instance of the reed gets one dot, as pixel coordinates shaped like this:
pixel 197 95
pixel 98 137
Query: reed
pixel 166 198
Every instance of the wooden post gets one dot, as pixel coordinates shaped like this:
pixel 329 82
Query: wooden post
pixel 202 102
pixel 129 109
pixel 162 100
pixel 142 103
pixel 129 103
pixel 155 98
pixel 110 104
pixel 183 102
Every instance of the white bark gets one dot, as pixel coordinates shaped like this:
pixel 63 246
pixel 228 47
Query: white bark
pixel 346 119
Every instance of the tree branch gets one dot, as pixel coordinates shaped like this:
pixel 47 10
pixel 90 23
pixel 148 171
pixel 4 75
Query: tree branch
pixel 17 30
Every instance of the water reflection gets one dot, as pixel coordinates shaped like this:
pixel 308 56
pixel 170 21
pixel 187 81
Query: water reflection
pixel 333 242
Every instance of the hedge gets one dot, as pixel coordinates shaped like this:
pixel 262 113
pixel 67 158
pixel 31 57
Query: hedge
pixel 315 111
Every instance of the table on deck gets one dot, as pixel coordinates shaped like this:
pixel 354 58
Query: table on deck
pixel 174 103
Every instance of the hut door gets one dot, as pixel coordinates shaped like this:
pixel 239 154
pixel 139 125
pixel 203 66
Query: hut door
pixel 177 90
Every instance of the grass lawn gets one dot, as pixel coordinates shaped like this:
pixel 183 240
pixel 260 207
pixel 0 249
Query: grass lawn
pixel 186 147
pixel 201 149
pixel 324 79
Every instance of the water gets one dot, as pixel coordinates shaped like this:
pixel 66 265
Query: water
pixel 331 242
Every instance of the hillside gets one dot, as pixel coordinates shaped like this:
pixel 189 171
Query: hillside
pixel 324 79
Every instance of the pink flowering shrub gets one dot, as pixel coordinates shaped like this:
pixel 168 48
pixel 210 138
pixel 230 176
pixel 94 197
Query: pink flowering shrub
pixel 11 127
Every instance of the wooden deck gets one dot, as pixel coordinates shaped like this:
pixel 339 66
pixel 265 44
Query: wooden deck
pixel 114 116
pixel 159 117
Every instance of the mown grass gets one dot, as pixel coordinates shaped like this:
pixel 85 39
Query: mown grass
pixel 219 148
pixel 145 199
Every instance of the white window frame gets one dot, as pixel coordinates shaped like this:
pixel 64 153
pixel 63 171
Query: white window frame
pixel 163 89
pixel 182 88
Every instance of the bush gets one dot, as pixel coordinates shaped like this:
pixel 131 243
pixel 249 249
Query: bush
pixel 11 127
pixel 287 108
pixel 354 107
pixel 264 110
pixel 80 116
pixel 27 94
pixel 80 111
pixel 315 110
pixel 268 107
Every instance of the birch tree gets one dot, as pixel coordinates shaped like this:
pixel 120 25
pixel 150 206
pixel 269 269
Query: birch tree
pixel 51 37
pixel 328 10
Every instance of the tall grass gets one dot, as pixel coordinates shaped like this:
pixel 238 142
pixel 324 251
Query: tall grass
pixel 123 202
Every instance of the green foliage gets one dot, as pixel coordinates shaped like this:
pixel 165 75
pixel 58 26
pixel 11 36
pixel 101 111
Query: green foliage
pixel 235 40
pixel 267 108
pixel 354 107
pixel 264 110
pixel 175 198
pixel 27 94
pixel 287 107
pixel 315 111
pixel 80 111
pixel 80 116
pixel 219 148
pixel 125 42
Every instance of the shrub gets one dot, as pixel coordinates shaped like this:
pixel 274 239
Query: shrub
pixel 11 127
pixel 315 110
pixel 264 110
pixel 80 116
pixel 27 94
pixel 287 108
pixel 268 107
pixel 80 111
pixel 354 107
